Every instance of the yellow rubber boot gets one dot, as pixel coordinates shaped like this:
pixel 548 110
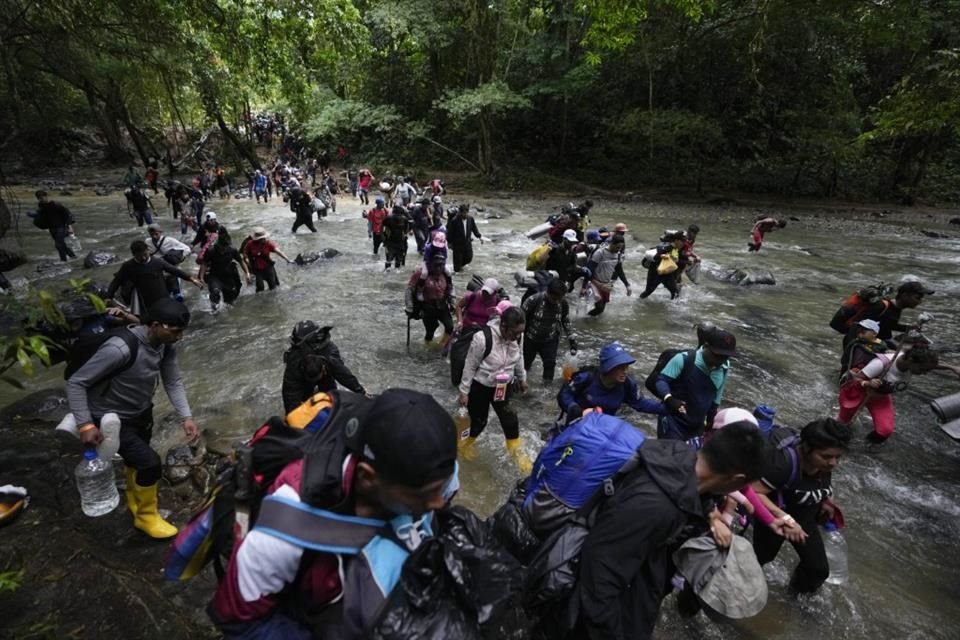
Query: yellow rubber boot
pixel 465 448
pixel 147 517
pixel 515 449
pixel 130 493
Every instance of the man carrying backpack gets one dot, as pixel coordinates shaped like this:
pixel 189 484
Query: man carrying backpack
pixel 691 386
pixel 609 387
pixel 547 314
pixel 313 363
pixel 796 485
pixel 146 276
pixel 625 563
pixel 120 377
pixel 606 263
pixel 171 250
pixel 396 467
pixel 57 219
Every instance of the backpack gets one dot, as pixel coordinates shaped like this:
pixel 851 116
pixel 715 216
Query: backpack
pixel 648 258
pixel 538 257
pixel 855 307
pixel 787 439
pixel 460 348
pixel 665 356
pixel 573 465
pixel 83 349
pixel 321 431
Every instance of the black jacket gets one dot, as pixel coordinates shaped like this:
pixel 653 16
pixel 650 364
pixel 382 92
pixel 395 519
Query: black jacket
pixel 297 387
pixel 458 235
pixel 625 565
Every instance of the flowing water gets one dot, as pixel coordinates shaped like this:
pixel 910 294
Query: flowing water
pixel 902 505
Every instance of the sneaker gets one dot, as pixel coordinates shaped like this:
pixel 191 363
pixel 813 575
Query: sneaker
pixel 875 441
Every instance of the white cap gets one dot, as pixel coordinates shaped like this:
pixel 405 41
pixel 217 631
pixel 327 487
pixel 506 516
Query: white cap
pixel 570 235
pixel 209 215
pixel 870 325
pixel 731 415
pixel 490 285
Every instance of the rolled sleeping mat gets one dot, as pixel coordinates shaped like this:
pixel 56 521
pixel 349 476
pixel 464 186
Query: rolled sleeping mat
pixel 946 408
pixel 539 230
pixel 475 283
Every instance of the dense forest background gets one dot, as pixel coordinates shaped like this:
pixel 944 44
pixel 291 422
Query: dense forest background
pixel 829 98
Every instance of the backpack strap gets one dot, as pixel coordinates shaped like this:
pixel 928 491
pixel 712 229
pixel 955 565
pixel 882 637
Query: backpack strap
pixel 315 529
pixel 487 341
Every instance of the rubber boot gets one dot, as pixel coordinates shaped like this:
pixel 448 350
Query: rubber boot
pixel 515 449
pixel 465 448
pixel 147 517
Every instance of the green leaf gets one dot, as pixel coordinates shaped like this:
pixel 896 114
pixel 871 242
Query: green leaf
pixel 40 349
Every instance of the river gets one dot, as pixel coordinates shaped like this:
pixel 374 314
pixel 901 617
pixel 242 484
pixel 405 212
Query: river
pixel 902 505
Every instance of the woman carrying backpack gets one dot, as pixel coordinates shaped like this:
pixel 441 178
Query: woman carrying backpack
pixel 491 379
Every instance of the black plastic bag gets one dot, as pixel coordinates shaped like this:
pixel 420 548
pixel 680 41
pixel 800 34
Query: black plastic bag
pixel 454 584
pixel 510 528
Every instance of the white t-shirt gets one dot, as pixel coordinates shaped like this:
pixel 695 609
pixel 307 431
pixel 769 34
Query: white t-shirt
pixel 894 378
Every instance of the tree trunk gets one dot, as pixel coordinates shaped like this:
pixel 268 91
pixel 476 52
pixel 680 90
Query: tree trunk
pixel 17 111
pixel 245 150
pixel 115 149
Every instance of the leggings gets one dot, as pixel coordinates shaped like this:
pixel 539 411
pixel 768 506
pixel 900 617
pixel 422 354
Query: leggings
pixel 813 568
pixel 478 406
pixel 135 434
pixel 654 280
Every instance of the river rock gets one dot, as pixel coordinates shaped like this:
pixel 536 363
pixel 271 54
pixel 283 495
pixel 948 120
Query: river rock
pixel 65 193
pixel 954 220
pixel 103 190
pixel 46 405
pixel 10 260
pixel 933 234
pixel 98 259
pixel 181 460
pixel 746 278
pixel 310 257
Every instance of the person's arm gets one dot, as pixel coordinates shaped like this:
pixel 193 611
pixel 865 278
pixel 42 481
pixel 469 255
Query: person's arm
pixel 172 380
pixel 669 374
pixel 474 230
pixel 460 306
pixel 177 271
pixel 202 276
pixel 341 373
pixel 613 556
pixel 618 273
pixel 518 369
pixel 118 279
pixel 111 355
pixel 565 324
pixel 281 254
pixel 635 398
pixel 238 258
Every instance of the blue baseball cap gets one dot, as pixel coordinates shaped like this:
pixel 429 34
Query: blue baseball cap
pixel 612 356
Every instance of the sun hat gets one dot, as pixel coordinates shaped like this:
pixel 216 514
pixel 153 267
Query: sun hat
pixel 259 233
pixel 612 356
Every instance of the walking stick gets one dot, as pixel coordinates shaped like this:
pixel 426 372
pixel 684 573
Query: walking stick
pixel 408 333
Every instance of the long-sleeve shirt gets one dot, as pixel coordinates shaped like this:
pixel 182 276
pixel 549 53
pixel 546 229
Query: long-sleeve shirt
pixel 546 319
pixel 147 278
pixel 92 392
pixel 587 390
pixel 166 244
pixel 504 356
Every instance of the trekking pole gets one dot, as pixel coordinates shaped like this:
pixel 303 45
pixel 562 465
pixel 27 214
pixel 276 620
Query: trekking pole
pixel 408 333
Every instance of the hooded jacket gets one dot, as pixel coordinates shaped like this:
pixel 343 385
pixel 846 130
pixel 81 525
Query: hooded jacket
pixel 625 565
pixel 297 387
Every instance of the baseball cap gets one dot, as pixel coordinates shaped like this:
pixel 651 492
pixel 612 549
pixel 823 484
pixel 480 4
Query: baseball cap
pixel 614 355
pixel 409 438
pixel 210 215
pixel 870 325
pixel 168 311
pixel 732 415
pixel 490 285
pixel 722 343
pixel 570 235
pixel 914 286
pixel 154 227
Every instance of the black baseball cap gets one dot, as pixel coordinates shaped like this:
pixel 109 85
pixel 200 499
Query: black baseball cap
pixel 722 343
pixel 409 438
pixel 168 311
pixel 914 286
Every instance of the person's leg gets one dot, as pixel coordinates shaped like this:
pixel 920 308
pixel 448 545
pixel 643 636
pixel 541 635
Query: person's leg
pixel 135 434
pixel 509 421
pixel 147 216
pixel 653 281
pixel 215 287
pixel 260 277
pixel 457 258
pixel 444 318
pixel 478 406
pixel 296 225
pixel 766 543
pixel 430 322
pixel 882 412
pixel 270 275
pixel 548 354
pixel 467 254
pixel 598 308
pixel 813 569
pixel 672 283
pixel 851 398
pixel 377 241
pixel 60 242
pixel 530 350
pixel 309 223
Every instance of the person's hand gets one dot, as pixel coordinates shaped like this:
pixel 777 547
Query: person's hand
pixel 249 278
pixel 524 387
pixel 792 530
pixel 827 511
pixel 675 405
pixel 462 399
pixel 191 430
pixel 720 531
pixel 629 291
pixel 197 281
pixel 89 434
pixel 481 241
pixel 873 383
pixel 574 411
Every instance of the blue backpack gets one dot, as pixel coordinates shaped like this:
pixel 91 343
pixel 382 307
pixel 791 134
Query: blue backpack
pixel 574 465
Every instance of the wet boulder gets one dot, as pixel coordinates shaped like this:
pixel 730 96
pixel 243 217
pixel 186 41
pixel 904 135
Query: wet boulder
pixel 103 190
pixel 309 257
pixel 955 221
pixel 99 259
pixel 10 260
pixel 181 461
pixel 746 278
pixel 46 405
pixel 934 234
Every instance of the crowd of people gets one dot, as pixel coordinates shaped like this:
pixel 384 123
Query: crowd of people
pixel 371 473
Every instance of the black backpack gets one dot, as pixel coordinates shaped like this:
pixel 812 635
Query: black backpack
pixel 84 348
pixel 458 352
pixel 665 356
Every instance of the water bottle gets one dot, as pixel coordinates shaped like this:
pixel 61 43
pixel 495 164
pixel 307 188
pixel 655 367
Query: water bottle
pixel 461 418
pixel 571 364
pixel 836 548
pixel 95 482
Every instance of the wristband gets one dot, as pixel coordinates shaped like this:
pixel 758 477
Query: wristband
pixel 86 427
